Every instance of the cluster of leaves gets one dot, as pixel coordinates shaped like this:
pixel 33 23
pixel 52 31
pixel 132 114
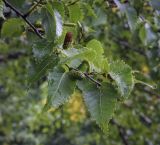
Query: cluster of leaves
pixel 65 68
pixel 84 65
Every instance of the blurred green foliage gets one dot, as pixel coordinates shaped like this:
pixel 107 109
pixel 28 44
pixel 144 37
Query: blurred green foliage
pixel 128 30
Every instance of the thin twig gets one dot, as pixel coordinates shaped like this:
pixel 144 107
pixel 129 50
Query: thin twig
pixel 152 93
pixel 23 17
pixel 72 3
pixel 86 75
pixel 93 80
pixel 32 9
pixel 69 24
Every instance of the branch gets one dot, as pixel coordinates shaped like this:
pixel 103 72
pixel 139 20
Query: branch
pixel 11 56
pixel 145 120
pixel 128 46
pixel 122 132
pixel 152 93
pixel 86 75
pixel 32 9
pixel 23 17
pixel 91 79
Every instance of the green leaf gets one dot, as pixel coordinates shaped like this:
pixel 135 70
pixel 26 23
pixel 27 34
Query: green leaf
pixel 52 22
pixel 100 20
pixel 58 6
pixel 92 53
pixel 121 73
pixel 132 17
pixel 61 87
pixel 49 24
pixel 102 64
pixel 101 102
pixel 72 54
pixel 41 48
pixel 1 9
pixel 146 35
pixel 130 13
pixel 90 11
pixel 75 13
pixel 155 4
pixel 96 46
pixel 12 27
pixel 42 67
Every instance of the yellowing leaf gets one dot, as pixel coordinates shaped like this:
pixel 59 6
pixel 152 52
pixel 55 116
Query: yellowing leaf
pixel 76 107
